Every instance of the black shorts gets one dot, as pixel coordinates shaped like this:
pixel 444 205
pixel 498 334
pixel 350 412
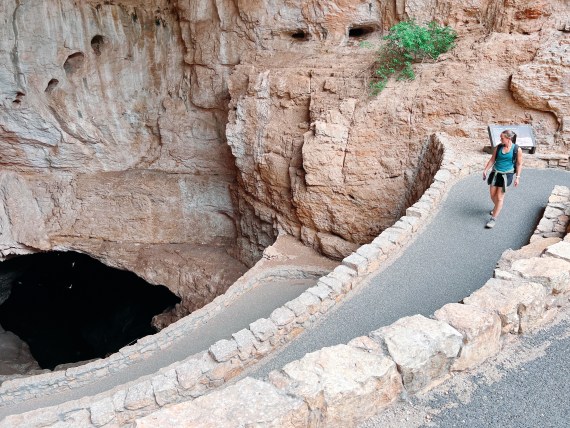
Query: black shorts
pixel 499 182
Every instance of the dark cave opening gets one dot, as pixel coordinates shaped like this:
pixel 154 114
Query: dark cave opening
pixel 360 31
pixel 69 307
pixel 97 43
pixel 73 63
pixel 300 35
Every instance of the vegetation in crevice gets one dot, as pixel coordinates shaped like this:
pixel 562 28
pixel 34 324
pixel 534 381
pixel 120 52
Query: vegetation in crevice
pixel 405 44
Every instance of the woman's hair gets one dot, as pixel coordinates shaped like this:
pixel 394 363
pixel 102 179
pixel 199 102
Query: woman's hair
pixel 510 135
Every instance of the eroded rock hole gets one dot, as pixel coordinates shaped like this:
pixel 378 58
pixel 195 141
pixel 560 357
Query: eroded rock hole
pixel 73 63
pixel 18 100
pixel 69 307
pixel 299 35
pixel 360 31
pixel 97 43
pixel 52 84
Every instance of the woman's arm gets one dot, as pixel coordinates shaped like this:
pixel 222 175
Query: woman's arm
pixel 519 167
pixel 491 162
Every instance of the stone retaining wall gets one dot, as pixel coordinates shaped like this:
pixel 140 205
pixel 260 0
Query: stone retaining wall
pixel 430 162
pixel 226 359
pixel 556 160
pixel 556 219
pixel 340 385
pixel 20 388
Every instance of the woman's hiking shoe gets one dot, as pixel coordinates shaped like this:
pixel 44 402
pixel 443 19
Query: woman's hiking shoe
pixel 491 223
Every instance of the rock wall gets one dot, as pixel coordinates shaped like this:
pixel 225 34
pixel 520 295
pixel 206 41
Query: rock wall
pixel 215 125
pixel 319 159
pixel 112 143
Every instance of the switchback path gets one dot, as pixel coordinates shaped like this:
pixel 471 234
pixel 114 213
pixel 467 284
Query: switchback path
pixel 454 256
pixel 450 259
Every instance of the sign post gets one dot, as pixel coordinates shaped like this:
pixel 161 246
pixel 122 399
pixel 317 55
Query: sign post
pixel 525 136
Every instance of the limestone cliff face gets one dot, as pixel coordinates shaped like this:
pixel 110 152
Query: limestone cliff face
pixel 319 159
pixel 112 142
pixel 164 135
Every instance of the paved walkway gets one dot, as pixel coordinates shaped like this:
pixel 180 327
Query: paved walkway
pixel 258 303
pixel 454 256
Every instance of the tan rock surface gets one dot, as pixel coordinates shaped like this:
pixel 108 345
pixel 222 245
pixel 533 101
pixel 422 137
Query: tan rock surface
pixel 110 142
pixel 423 349
pixel 534 249
pixel 325 144
pixel 154 96
pixel 544 84
pixel 214 127
pixel 553 273
pixel 481 330
pixel 15 356
pixel 250 402
pixel 518 303
pixel 340 384
pixel 560 250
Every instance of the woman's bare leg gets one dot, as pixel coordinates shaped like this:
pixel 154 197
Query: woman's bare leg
pixel 493 193
pixel 498 197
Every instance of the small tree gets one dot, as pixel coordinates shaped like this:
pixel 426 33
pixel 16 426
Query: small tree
pixel 406 43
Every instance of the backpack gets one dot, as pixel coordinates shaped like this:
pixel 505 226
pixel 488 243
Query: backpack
pixel 515 153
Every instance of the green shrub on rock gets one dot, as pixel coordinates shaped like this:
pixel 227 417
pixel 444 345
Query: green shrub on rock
pixel 406 43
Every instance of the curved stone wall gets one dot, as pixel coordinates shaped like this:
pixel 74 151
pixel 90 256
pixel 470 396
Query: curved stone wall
pixel 226 359
pixel 344 384
pixel 90 144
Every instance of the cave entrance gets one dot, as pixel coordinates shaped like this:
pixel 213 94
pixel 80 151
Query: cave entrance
pixel 69 307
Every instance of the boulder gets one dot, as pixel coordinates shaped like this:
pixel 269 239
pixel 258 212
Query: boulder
pixel 15 355
pixel 518 303
pixel 551 272
pixel 341 384
pixel 424 349
pixel 481 330
pixel 249 402
pixel 560 250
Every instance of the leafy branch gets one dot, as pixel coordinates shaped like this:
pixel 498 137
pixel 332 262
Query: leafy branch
pixel 407 43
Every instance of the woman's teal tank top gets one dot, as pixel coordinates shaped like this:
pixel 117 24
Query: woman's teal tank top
pixel 504 161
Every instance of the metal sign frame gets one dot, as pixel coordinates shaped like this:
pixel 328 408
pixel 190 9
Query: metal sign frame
pixel 525 136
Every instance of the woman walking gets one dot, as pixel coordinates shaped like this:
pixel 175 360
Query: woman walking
pixel 506 162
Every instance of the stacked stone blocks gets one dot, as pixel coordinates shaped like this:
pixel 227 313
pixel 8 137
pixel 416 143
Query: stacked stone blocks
pixel 343 384
pixel 556 219
pixel 556 160
pixel 460 337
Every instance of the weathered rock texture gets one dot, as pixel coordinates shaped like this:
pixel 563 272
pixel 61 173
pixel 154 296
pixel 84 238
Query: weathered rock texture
pixel 267 407
pixel 111 145
pixel 15 356
pixel 169 137
pixel 319 159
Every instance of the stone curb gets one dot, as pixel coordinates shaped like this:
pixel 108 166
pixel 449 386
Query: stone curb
pixel 344 384
pixel 226 359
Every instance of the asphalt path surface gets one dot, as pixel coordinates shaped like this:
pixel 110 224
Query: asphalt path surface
pixel 524 386
pixel 453 256
pixel 525 394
